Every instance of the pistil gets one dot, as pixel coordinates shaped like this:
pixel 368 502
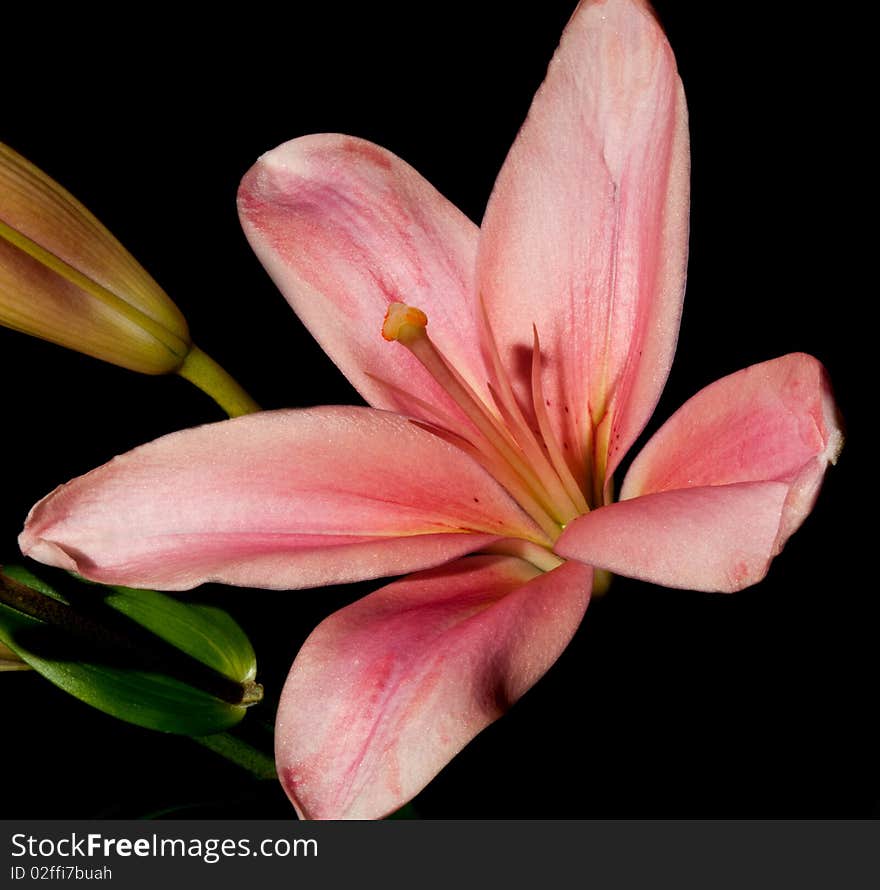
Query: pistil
pixel 522 467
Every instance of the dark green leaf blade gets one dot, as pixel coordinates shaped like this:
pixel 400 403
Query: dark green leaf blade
pixel 145 698
pixel 204 632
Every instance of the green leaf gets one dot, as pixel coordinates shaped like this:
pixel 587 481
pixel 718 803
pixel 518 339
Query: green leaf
pixel 146 658
pixel 204 632
pixel 22 575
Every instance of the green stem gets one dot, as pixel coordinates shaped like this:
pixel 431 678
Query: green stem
pixel 202 371
pixel 258 764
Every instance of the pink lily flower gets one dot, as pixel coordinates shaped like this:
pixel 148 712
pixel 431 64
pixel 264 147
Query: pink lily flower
pixel 509 369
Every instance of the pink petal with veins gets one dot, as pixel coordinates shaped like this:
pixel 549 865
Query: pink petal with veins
pixel 278 500
pixel 586 231
pixel 718 490
pixel 712 538
pixel 344 228
pixel 386 691
pixel 772 421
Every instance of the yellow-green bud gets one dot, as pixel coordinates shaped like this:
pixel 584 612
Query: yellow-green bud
pixel 65 278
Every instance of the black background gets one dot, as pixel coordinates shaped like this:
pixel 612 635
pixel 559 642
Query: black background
pixel 668 703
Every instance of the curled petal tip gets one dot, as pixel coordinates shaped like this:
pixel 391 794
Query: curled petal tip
pixel 46 552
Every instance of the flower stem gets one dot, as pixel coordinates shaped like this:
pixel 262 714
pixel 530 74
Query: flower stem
pixel 259 765
pixel 202 371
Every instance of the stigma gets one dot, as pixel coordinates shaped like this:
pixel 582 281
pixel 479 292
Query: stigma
pixel 403 323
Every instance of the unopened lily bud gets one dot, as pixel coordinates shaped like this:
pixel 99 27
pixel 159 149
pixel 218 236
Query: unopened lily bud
pixel 65 278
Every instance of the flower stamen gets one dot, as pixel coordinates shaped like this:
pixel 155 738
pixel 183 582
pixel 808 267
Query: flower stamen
pixel 524 469
pixel 507 404
pixel 554 452
pixel 503 474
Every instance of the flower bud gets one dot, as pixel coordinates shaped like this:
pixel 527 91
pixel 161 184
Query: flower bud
pixel 65 278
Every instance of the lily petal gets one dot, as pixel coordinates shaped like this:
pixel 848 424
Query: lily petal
pixel 278 500
pixel 386 691
pixel 772 421
pixel 344 228
pixel 585 235
pixel 712 538
pixel 718 490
